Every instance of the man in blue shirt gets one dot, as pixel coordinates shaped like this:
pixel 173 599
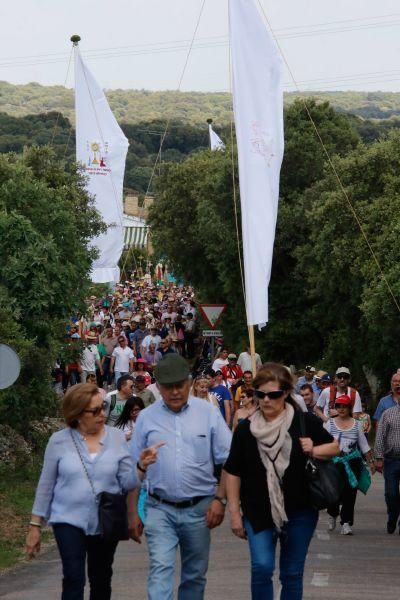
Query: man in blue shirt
pixel 391 399
pixel 308 377
pixel 183 502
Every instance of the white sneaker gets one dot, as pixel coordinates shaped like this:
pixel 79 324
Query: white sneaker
pixel 346 529
pixel 331 523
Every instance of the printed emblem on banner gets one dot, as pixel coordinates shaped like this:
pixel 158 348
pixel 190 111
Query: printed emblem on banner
pixel 262 143
pixel 97 158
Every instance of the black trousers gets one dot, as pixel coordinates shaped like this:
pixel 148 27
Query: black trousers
pixel 74 546
pixel 348 498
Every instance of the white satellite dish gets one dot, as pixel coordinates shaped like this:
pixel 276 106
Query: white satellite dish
pixel 10 366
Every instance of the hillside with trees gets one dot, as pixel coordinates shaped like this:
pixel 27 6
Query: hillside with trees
pixel 138 106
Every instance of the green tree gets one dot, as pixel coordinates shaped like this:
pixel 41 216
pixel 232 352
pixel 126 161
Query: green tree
pixel 46 223
pixel 356 314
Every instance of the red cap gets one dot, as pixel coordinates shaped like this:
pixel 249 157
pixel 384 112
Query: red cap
pixel 345 399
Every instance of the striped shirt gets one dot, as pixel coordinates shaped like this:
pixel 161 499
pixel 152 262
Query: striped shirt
pixel 348 439
pixel 387 442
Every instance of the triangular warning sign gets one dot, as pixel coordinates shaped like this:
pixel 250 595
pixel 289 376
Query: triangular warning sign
pixel 212 313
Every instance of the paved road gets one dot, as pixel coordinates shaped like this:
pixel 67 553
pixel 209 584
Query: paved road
pixel 365 565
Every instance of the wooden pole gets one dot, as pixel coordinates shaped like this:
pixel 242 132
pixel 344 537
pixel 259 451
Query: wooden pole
pixel 252 350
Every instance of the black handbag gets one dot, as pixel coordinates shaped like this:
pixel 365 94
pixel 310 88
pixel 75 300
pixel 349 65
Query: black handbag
pixel 113 510
pixel 324 479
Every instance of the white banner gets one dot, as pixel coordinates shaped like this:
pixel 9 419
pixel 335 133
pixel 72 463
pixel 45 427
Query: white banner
pixel 258 107
pixel 215 141
pixel 101 147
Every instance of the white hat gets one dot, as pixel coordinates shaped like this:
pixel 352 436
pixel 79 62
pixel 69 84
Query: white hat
pixel 342 370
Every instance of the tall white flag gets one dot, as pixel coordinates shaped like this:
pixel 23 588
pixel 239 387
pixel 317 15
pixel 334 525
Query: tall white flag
pixel 215 141
pixel 101 147
pixel 258 107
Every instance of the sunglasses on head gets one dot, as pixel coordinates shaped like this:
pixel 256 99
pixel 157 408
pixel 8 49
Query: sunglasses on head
pixel 97 410
pixel 271 395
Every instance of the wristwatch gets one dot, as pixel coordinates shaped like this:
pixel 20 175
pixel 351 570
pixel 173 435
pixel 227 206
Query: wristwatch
pixel 222 500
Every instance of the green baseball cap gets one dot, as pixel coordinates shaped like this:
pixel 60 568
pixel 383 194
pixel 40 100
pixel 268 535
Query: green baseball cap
pixel 171 369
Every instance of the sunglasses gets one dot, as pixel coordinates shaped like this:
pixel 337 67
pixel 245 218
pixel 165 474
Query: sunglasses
pixel 343 376
pixel 97 410
pixel 271 395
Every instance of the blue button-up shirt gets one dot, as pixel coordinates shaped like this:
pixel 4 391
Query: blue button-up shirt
pixel 302 380
pixel 64 494
pixel 196 437
pixel 383 404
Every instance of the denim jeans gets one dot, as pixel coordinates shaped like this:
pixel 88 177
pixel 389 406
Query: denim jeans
pixel 391 472
pixel 166 528
pixel 295 540
pixel 74 546
pixel 119 374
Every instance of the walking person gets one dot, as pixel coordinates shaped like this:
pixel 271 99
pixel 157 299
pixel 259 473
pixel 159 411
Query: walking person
pixel 349 433
pixel 247 407
pixel 122 359
pixel 184 502
pixel 85 449
pixel 387 460
pixel 268 496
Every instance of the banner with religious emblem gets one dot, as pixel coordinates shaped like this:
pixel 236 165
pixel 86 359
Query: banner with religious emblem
pixel 258 109
pixel 101 148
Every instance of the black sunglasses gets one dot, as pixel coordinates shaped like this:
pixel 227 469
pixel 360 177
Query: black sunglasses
pixel 343 376
pixel 271 395
pixel 97 410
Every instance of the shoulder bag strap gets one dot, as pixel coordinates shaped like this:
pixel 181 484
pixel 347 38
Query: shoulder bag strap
pixel 302 424
pixel 83 465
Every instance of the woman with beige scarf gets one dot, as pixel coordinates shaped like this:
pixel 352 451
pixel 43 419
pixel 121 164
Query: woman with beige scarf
pixel 267 489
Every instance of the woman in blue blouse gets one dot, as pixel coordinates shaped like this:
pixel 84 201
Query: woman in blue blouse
pixel 64 497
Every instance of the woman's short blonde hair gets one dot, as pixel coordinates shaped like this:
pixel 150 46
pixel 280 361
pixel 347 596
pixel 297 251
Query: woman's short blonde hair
pixel 76 400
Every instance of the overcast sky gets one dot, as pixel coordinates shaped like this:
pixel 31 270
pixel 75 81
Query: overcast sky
pixel 340 44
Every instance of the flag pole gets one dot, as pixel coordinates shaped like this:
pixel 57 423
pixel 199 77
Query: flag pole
pixel 209 121
pixel 252 350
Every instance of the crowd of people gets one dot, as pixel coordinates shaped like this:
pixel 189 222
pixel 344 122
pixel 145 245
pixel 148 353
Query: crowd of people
pixel 146 401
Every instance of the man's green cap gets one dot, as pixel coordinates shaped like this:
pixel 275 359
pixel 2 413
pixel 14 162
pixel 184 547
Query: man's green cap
pixel 171 369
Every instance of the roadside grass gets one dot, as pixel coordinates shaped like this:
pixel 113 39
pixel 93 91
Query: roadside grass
pixel 17 490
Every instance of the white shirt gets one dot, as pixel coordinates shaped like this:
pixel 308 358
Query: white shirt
pixel 155 391
pixel 155 339
pixel 244 361
pixel 89 357
pixel 122 357
pixel 219 363
pixel 323 401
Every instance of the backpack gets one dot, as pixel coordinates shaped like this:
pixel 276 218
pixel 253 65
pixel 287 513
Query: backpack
pixel 332 396
pixel 112 404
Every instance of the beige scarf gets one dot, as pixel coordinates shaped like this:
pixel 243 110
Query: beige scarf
pixel 274 445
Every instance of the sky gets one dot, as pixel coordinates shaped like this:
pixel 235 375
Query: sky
pixel 144 44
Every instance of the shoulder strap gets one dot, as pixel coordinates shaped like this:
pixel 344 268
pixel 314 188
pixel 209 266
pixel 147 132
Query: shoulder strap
pixel 83 465
pixel 302 423
pixel 353 393
pixel 332 395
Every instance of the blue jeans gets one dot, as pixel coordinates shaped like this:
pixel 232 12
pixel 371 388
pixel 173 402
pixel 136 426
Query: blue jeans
pixel 74 546
pixel 167 528
pixel 119 374
pixel 295 540
pixel 391 472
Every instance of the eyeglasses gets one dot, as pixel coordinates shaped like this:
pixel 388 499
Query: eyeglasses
pixel 97 410
pixel 271 395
